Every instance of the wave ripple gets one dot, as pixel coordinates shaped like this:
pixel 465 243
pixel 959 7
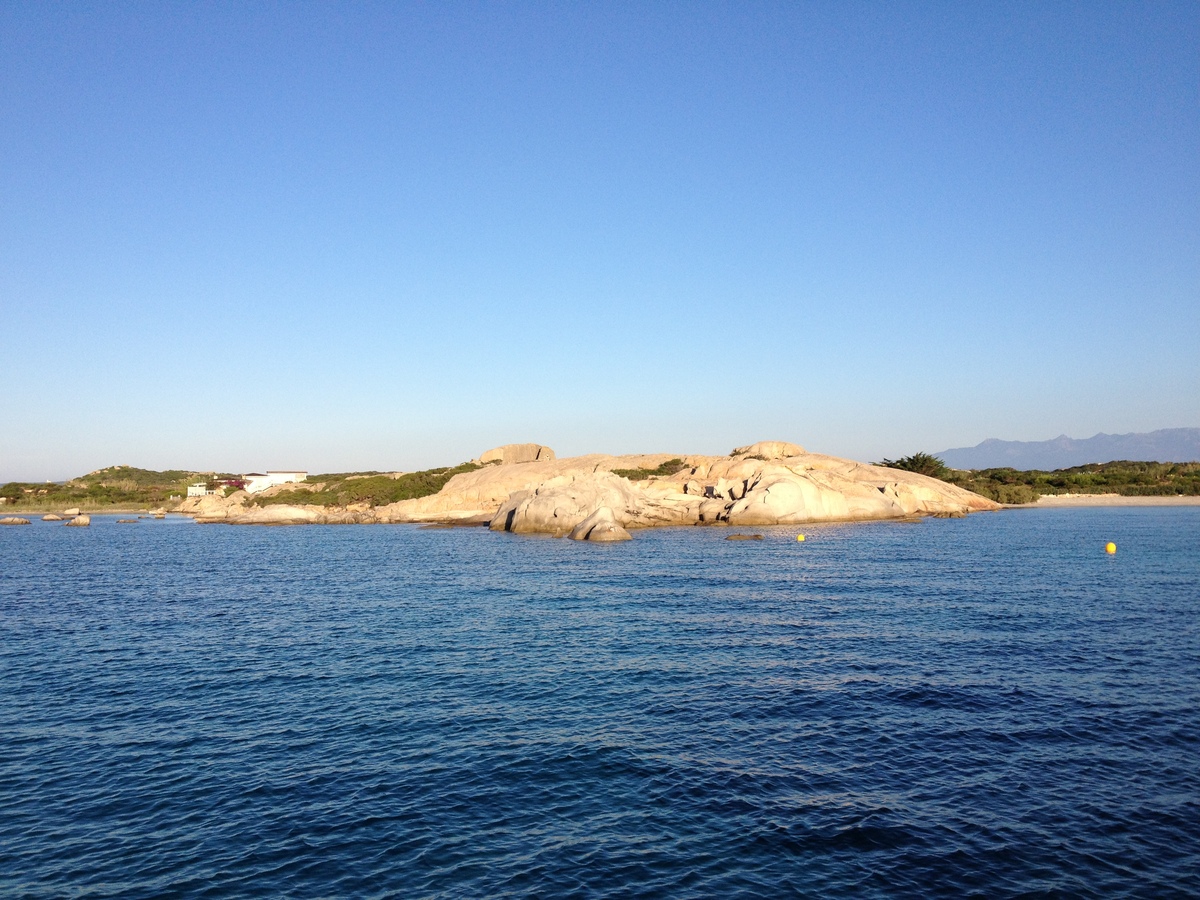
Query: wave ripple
pixel 979 707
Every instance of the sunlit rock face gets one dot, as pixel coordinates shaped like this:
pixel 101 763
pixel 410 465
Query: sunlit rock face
pixel 528 491
pixel 516 453
pixel 767 483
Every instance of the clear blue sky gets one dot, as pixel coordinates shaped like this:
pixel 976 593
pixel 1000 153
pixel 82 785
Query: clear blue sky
pixel 237 236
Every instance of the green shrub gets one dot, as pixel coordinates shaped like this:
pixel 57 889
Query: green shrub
pixel 1124 477
pixel 670 467
pixel 377 490
pixel 921 463
pixel 123 486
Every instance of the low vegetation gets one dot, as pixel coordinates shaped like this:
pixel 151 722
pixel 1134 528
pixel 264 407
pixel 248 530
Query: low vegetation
pixel 115 486
pixel 126 487
pixel 1004 485
pixel 670 467
pixel 365 487
pixel 921 463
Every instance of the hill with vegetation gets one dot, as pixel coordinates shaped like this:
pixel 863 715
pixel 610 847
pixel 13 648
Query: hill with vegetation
pixel 1129 478
pixel 127 487
pixel 372 488
pixel 116 486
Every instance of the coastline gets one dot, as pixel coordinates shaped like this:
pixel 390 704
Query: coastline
pixel 1066 501
pixel 1046 501
pixel 6 510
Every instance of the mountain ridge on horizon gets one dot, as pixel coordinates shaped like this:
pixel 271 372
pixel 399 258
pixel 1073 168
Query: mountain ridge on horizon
pixel 1063 452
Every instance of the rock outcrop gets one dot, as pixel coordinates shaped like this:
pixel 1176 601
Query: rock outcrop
pixel 280 514
pixel 769 450
pixel 754 486
pixel 557 506
pixel 476 496
pixel 767 483
pixel 80 521
pixel 214 507
pixel 601 526
pixel 234 510
pixel 516 453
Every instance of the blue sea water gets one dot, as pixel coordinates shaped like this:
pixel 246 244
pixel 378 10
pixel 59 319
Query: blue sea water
pixel 989 706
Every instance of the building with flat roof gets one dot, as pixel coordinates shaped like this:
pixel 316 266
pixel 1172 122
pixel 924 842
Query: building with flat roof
pixel 260 481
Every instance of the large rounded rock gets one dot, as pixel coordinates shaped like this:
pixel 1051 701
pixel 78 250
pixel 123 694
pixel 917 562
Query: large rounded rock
pixel 279 514
pixel 560 504
pixel 13 520
pixel 517 453
pixel 769 450
pixel 51 517
pixel 80 521
pixel 601 525
pixel 214 507
pixel 73 511
pixel 787 498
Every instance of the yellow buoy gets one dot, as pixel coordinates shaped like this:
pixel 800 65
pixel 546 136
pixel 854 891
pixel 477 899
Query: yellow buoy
pixel 1110 547
pixel 799 537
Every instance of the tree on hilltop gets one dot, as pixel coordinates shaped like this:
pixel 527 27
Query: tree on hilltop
pixel 921 463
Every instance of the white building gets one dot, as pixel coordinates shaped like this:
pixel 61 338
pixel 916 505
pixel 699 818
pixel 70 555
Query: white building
pixel 260 481
pixel 199 489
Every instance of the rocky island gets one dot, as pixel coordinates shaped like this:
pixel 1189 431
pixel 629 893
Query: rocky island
pixel 525 489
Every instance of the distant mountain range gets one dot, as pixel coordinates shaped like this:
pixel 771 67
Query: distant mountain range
pixel 1165 445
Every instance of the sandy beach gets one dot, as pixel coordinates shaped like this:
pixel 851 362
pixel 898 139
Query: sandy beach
pixel 1066 500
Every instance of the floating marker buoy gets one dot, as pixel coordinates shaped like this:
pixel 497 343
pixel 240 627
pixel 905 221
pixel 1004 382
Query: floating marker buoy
pixel 1110 547
pixel 799 537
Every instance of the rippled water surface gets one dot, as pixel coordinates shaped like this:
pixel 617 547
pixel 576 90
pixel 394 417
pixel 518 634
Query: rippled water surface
pixel 988 705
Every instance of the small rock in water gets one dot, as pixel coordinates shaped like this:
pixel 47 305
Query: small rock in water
pixel 744 537
pixel 51 517
pixel 13 520
pixel 127 521
pixel 73 511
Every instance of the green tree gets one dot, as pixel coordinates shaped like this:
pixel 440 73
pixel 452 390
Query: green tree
pixel 921 463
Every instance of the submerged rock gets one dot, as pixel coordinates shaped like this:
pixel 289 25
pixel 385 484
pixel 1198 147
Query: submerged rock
pixel 51 517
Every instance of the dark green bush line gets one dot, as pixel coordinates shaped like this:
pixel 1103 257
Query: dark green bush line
pixel 124 486
pixel 921 463
pixel 1006 485
pixel 114 486
pixel 377 490
pixel 670 467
